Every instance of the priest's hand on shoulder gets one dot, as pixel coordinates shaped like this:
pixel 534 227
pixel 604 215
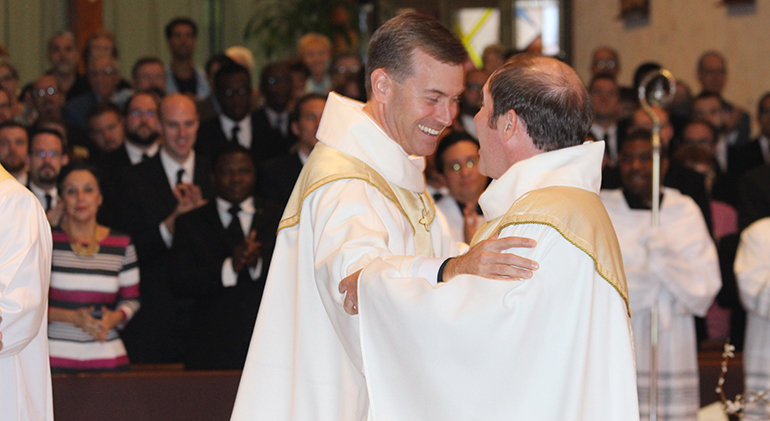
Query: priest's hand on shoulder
pixel 350 285
pixel 246 254
pixel 486 259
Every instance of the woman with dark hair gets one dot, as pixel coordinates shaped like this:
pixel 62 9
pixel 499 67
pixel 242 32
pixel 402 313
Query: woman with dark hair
pixel 94 281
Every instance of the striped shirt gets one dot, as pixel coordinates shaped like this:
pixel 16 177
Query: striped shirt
pixel 109 278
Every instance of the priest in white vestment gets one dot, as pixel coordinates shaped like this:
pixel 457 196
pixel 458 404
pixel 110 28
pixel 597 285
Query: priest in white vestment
pixel 25 274
pixel 675 265
pixel 557 346
pixel 360 196
pixel 752 270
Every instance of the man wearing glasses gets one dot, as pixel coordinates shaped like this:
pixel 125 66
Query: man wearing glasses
pixel 46 158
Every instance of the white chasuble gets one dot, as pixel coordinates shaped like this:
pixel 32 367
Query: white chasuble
pixel 359 197
pixel 557 346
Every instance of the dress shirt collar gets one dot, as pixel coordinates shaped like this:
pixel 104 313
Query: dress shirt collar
pixel 170 166
pixel 245 214
pixel 346 128
pixel 40 193
pixel 244 134
pixel 302 156
pixel 577 166
pixel 764 146
pixel 135 152
pixel 273 116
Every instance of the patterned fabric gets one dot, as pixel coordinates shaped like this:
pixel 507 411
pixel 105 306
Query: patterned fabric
pixel 110 278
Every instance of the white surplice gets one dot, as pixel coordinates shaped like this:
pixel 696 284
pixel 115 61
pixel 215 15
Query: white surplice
pixel 752 271
pixel 25 275
pixel 555 347
pixel 304 362
pixel 677 266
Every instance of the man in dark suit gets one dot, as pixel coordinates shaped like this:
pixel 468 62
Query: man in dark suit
pixel 272 120
pixel 235 124
pixel 220 258
pixel 142 132
pixel 278 176
pixel 154 193
pixel 757 153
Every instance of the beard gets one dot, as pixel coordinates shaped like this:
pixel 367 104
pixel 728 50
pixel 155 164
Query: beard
pixel 13 165
pixel 140 140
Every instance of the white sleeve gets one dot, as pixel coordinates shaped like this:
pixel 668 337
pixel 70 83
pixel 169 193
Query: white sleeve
pixel 25 270
pixel 450 351
pixel 752 268
pixel 683 260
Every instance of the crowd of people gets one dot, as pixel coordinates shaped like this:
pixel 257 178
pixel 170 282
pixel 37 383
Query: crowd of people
pixel 165 192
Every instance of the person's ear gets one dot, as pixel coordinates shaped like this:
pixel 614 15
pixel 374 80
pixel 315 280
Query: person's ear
pixel 509 122
pixel 381 85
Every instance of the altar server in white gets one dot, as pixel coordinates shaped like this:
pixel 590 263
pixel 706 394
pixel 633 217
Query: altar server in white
pixel 557 346
pixel 25 274
pixel 360 196
pixel 752 269
pixel 674 265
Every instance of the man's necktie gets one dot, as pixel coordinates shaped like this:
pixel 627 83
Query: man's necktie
pixel 48 200
pixel 279 124
pixel 234 134
pixel 179 175
pixel 234 230
pixel 145 157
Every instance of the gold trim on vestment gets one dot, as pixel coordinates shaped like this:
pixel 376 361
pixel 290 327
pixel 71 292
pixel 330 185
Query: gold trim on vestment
pixel 326 165
pixel 580 217
pixel 4 174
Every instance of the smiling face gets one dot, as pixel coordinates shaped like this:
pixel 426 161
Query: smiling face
pixel 418 109
pixel 81 196
pixel 491 156
pixel 234 177
pixel 179 121
pixel 461 171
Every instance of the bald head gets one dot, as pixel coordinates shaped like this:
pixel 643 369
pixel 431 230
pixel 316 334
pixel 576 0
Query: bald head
pixel 547 95
pixel 179 123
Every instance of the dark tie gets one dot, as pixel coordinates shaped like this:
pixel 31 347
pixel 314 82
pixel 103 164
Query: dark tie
pixel 234 230
pixel 279 124
pixel 48 200
pixel 145 157
pixel 179 175
pixel 234 133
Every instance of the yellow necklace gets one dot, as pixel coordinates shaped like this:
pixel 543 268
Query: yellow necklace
pixel 85 248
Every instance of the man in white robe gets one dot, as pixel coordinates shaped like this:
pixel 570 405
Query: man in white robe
pixel 360 196
pixel 752 270
pixel 555 347
pixel 675 265
pixel 25 274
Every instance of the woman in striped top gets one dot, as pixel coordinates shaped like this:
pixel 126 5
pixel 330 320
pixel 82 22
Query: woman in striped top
pixel 94 282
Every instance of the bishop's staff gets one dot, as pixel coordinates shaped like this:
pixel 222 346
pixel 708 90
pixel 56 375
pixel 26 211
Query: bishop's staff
pixel 662 87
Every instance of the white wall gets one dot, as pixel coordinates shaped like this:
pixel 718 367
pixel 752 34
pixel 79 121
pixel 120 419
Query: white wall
pixel 676 34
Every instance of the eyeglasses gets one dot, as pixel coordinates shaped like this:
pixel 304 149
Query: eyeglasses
pixel 140 113
pixel 42 154
pixel 474 87
pixel 457 166
pixel 39 93
pixel 107 71
pixel 273 80
pixel 347 69
pixel 236 92
pixel 606 64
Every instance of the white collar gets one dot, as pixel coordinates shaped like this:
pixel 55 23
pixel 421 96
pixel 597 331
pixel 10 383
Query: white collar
pixel 577 166
pixel 223 206
pixel 170 166
pixel 346 128
pixel 135 152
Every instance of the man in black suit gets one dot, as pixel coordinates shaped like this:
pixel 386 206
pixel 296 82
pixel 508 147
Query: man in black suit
pixel 142 132
pixel 757 153
pixel 235 124
pixel 272 120
pixel 278 176
pixel 154 193
pixel 220 258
